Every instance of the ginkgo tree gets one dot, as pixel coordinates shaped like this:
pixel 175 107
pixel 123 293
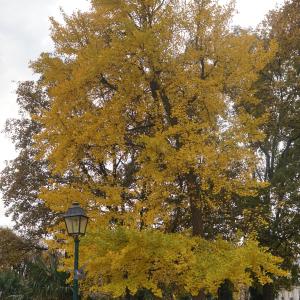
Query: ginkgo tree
pixel 149 127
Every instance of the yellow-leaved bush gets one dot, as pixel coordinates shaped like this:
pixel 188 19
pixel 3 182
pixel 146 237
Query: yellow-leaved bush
pixel 150 127
pixel 119 259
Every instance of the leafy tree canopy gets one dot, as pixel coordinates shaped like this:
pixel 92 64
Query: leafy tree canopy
pixel 146 118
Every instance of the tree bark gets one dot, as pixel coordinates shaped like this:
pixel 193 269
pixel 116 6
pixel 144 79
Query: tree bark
pixel 197 219
pixel 268 292
pixel 195 205
pixel 196 215
pixel 200 296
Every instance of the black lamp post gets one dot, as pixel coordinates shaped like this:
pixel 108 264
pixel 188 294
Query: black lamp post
pixel 76 222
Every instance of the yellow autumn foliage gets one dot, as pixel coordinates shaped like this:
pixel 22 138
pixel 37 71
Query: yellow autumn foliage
pixel 150 129
pixel 119 259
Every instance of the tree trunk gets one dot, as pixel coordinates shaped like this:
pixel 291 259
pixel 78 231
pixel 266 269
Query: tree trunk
pixel 225 291
pixel 197 219
pixel 268 292
pixel 127 295
pixel 196 215
pixel 200 296
pixel 196 205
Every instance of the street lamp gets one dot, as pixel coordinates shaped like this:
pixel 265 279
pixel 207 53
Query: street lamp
pixel 76 222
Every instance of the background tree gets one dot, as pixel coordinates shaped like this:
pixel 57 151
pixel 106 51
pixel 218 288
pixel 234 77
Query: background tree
pixel 28 272
pixel 22 178
pixel 279 91
pixel 13 249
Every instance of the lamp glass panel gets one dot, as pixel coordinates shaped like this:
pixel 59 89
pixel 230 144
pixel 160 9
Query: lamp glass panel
pixel 69 225
pixel 76 222
pixel 72 224
pixel 83 223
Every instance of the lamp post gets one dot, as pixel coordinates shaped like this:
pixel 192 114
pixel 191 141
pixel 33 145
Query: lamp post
pixel 76 222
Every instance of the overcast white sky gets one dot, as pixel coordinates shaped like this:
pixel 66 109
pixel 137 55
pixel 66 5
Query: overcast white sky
pixel 24 34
